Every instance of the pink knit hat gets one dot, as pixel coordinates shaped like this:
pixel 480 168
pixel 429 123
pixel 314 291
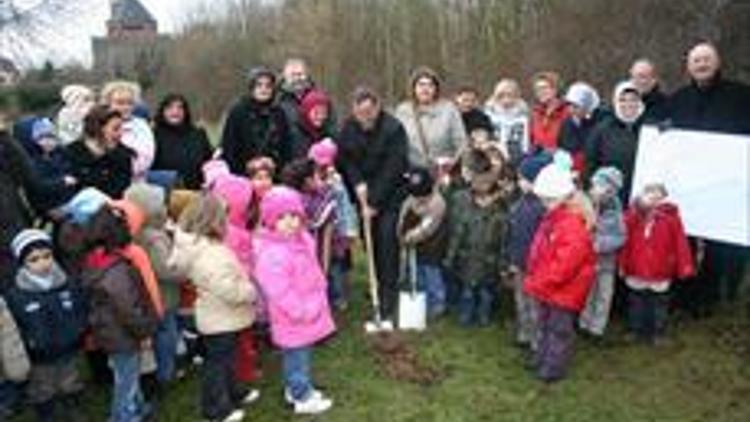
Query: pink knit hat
pixel 278 201
pixel 237 193
pixel 212 170
pixel 323 152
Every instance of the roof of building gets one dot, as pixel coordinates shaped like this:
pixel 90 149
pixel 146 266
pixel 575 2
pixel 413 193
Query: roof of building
pixel 131 13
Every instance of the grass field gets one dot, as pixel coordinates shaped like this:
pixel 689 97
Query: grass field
pixel 477 375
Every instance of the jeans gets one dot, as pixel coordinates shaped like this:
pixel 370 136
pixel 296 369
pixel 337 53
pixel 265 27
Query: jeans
pixel 475 304
pixel 337 276
pixel 128 404
pixel 526 313
pixel 10 396
pixel 221 394
pixel 297 372
pixel 556 341
pixel 648 312
pixel 430 281
pixel 595 315
pixel 165 346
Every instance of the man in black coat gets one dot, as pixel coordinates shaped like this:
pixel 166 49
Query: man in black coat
pixel 644 76
pixel 255 126
pixel 373 159
pixel 711 103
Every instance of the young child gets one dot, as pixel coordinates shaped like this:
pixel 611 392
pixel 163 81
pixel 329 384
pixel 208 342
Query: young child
pixel 560 269
pixel 14 363
pixel 123 314
pixel 524 217
pixel 477 237
pixel 224 306
pixel 345 228
pixel 423 229
pixel 655 254
pixel 261 171
pixel 294 285
pixel 157 243
pixel 609 236
pixel 50 312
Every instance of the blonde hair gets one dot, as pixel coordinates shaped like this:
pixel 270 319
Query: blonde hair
pixel 205 216
pixel 120 85
pixel 506 84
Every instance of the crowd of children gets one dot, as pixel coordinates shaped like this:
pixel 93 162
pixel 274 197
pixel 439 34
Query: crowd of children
pixel 146 283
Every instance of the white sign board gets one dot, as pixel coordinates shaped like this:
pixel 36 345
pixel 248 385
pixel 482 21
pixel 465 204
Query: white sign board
pixel 706 173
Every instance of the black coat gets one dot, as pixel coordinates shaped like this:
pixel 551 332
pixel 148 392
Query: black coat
pixel 724 106
pixel 253 130
pixel 183 149
pixel 377 158
pixel 300 139
pixel 656 105
pixel 111 173
pixel 613 143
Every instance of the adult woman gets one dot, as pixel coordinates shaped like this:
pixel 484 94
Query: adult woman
pixel 548 112
pixel 509 115
pixel 99 160
pixel 122 96
pixel 255 126
pixel 181 146
pixel 433 125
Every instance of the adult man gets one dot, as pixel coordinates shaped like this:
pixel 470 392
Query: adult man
pixel 295 83
pixel 373 158
pixel 711 103
pixel 644 76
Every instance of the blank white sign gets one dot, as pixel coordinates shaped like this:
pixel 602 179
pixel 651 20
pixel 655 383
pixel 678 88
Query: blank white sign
pixel 706 173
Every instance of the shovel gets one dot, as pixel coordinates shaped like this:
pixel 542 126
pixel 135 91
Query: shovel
pixel 378 324
pixel 412 305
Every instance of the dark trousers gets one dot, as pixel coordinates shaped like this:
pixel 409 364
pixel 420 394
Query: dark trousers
pixel 556 339
pixel 648 312
pixel 221 393
pixel 386 251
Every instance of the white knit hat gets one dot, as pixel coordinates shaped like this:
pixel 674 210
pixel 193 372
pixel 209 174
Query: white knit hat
pixel 28 237
pixel 553 182
pixel 583 95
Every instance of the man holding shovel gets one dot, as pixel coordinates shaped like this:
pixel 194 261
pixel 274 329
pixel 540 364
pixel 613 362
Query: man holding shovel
pixel 373 160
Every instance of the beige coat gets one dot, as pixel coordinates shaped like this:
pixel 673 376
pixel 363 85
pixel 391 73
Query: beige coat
pixel 14 363
pixel 443 128
pixel 226 297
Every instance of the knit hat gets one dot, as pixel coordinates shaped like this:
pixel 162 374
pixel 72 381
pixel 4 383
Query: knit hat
pixel 278 201
pixel 84 205
pixel 477 120
pixel 212 170
pixel 531 166
pixel 41 129
pixel 237 193
pixel 553 182
pixel 28 240
pixel 609 177
pixel 259 72
pixel 584 96
pixel 419 182
pixel 323 152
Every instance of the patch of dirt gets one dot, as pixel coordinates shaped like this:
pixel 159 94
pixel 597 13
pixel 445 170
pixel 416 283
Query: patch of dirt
pixel 400 361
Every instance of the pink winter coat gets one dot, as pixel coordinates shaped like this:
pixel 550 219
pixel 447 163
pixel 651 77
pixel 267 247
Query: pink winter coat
pixel 290 276
pixel 237 192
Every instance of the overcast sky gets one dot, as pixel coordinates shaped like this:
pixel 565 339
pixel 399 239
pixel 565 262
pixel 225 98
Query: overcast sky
pixel 77 31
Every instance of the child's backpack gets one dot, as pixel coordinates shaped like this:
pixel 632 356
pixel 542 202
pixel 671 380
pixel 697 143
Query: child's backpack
pixel 51 322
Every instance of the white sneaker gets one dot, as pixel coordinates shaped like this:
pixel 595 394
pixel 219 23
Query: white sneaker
pixel 251 397
pixel 314 405
pixel 236 416
pixel 290 400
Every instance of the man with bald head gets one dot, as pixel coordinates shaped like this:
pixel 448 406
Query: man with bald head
pixel 709 102
pixel 644 76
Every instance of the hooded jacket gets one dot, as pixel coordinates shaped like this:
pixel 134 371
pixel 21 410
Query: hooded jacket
pixel 656 248
pixel 428 226
pixel 137 135
pixel 226 298
pixel 237 193
pixel 51 318
pixel 562 262
pixel 290 275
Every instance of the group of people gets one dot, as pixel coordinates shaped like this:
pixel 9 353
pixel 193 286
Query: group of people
pixel 127 237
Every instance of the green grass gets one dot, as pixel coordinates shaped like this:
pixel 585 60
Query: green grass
pixel 703 376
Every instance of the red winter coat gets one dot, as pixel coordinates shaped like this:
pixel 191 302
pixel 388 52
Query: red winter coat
pixel 562 262
pixel 546 123
pixel 656 247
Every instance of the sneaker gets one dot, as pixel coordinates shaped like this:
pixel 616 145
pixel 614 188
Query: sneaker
pixel 251 397
pixel 236 416
pixel 314 405
pixel 290 400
